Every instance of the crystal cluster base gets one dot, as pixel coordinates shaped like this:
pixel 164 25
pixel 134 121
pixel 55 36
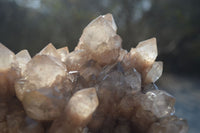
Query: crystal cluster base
pixel 97 88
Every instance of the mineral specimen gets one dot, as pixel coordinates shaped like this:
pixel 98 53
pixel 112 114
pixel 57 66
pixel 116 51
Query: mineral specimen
pixel 97 88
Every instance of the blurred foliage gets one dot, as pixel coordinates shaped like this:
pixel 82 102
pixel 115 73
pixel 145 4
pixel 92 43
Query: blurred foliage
pixel 31 24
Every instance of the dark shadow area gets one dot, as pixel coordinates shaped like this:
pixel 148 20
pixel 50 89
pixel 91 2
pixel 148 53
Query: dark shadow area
pixel 32 24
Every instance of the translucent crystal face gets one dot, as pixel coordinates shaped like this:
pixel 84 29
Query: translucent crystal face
pixel 154 72
pixel 160 103
pixel 100 39
pixel 49 50
pixel 97 88
pixel 43 71
pixel 81 106
pixel 22 58
pixel 6 57
pixel 76 59
pixel 148 50
pixel 63 52
pixel 99 31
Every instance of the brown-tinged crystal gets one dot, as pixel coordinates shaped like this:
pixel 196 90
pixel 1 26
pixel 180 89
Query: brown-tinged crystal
pixel 154 72
pixel 100 40
pixel 81 106
pixel 97 88
pixel 170 124
pixel 76 59
pixel 78 112
pixel 50 50
pixel 142 58
pixel 63 52
pixel 8 73
pixel 22 58
pixel 41 90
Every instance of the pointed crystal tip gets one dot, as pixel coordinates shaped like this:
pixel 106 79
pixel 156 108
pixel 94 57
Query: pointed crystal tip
pixel 6 57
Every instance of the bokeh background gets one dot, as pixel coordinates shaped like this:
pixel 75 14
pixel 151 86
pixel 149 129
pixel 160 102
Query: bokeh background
pixel 32 24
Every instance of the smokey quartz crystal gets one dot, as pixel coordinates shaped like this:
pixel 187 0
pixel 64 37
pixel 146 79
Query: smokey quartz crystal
pixel 97 88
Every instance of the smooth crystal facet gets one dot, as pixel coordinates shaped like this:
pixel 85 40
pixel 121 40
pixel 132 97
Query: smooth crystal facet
pixel 49 50
pixel 99 38
pixel 6 58
pixel 63 52
pixel 22 58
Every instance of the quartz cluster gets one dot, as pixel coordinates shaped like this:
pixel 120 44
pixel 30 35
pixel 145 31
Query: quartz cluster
pixel 97 88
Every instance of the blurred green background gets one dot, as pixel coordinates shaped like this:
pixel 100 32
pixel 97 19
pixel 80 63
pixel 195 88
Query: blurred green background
pixel 32 24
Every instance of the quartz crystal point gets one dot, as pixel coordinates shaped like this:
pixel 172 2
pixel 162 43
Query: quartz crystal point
pixel 63 52
pixel 8 72
pixel 81 106
pixel 142 58
pixel 122 54
pixel 40 89
pixel 97 88
pixel 22 58
pixel 7 57
pixel 41 71
pixel 99 38
pixel 148 50
pixel 154 73
pixel 78 112
pixel 50 50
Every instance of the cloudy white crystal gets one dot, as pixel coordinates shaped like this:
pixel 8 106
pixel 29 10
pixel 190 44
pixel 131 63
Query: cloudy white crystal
pixel 7 57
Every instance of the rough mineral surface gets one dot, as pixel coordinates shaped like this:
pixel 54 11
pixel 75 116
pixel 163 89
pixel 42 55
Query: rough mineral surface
pixel 97 88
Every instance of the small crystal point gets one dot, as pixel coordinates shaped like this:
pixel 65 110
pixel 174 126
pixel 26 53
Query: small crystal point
pixel 22 58
pixel 6 58
pixel 8 73
pixel 148 50
pixel 154 73
pixel 78 112
pixel 142 58
pixel 49 50
pixel 63 52
pixel 41 71
pixel 81 106
pixel 122 54
pixel 110 20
